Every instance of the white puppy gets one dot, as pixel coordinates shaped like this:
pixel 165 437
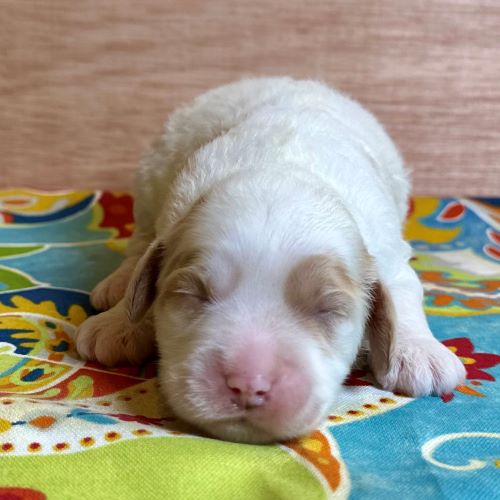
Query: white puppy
pixel 267 250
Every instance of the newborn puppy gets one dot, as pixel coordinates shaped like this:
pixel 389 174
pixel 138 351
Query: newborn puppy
pixel 267 251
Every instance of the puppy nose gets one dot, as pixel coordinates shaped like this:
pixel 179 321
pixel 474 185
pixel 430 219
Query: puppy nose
pixel 249 391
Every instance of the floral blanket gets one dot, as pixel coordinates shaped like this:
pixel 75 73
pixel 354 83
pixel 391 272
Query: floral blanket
pixel 76 430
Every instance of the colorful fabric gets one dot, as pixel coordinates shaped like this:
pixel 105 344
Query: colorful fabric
pixel 74 429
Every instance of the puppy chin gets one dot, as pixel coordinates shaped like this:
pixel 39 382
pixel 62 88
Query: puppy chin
pixel 245 430
pixel 239 430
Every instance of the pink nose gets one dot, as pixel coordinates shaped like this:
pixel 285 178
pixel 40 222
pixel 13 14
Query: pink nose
pixel 249 391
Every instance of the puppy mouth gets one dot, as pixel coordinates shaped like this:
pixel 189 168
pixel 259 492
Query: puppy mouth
pixel 253 426
pixel 247 415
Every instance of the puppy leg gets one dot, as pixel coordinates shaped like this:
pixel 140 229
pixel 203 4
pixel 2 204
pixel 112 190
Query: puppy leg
pixel 418 364
pixel 111 338
pixel 111 290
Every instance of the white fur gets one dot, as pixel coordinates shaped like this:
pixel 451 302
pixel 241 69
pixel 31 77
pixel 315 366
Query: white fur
pixel 286 169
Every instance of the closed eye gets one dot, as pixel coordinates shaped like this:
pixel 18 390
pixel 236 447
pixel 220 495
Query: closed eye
pixel 332 303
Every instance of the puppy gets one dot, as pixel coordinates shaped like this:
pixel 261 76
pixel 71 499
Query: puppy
pixel 267 251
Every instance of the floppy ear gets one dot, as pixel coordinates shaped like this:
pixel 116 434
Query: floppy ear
pixel 141 290
pixel 380 327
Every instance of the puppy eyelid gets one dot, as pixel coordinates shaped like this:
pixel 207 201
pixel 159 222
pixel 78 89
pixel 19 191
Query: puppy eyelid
pixel 190 293
pixel 333 303
pixel 330 315
pixel 203 298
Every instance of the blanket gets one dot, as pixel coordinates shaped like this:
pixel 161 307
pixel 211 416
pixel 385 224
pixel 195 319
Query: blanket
pixel 75 429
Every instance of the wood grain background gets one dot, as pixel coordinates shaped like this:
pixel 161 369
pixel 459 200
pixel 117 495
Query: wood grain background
pixel 85 85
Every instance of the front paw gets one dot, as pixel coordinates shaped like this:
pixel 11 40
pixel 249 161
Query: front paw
pixel 421 366
pixel 111 340
pixel 109 291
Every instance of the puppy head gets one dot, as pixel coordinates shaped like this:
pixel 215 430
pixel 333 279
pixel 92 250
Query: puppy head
pixel 255 340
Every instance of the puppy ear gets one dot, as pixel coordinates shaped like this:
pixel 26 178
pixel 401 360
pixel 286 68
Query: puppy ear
pixel 141 290
pixel 380 327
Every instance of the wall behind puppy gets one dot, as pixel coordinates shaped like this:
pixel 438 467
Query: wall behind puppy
pixel 84 86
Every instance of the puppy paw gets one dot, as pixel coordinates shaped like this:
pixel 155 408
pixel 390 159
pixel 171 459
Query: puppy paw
pixel 109 291
pixel 111 339
pixel 421 366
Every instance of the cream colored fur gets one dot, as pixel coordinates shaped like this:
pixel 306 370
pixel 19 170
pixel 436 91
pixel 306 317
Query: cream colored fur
pixel 239 188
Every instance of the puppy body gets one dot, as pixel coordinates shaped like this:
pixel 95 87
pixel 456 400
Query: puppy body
pixel 278 128
pixel 268 241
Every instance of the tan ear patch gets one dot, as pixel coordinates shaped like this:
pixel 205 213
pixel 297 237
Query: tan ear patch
pixel 141 290
pixel 320 284
pixel 380 326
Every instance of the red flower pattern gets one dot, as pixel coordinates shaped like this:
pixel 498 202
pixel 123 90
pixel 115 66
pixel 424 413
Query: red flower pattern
pixel 15 493
pixel 117 213
pixel 452 212
pixel 474 362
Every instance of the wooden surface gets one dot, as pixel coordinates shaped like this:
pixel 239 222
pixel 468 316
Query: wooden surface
pixel 85 85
